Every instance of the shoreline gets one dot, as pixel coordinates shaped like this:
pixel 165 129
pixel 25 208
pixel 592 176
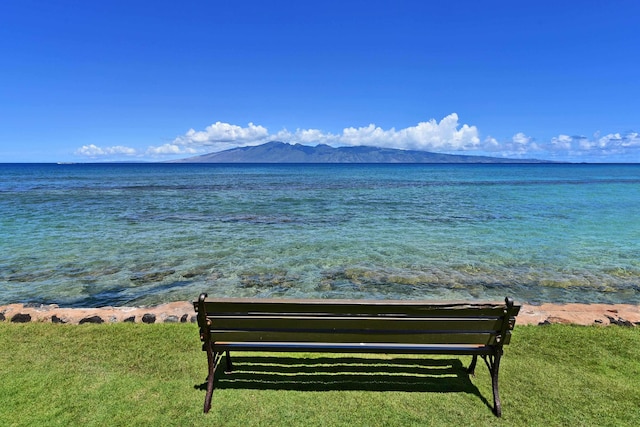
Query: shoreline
pixel 183 312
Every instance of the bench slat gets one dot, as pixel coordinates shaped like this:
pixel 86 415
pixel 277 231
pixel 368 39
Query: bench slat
pixel 407 337
pixel 352 348
pixel 411 309
pixel 362 323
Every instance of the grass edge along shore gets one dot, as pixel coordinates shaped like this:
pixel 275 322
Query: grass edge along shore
pixel 132 374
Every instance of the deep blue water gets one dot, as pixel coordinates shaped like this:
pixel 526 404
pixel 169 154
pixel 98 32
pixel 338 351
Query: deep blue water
pixel 139 234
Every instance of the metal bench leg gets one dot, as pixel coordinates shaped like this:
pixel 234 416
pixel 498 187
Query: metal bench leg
pixel 229 364
pixel 472 367
pixel 493 363
pixel 213 359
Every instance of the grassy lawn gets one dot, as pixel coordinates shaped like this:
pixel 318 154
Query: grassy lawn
pixel 132 374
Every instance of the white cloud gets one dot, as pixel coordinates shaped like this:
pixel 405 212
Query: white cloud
pixel 170 149
pixel 615 147
pixel 444 136
pixel 519 145
pixel 561 142
pixel 222 135
pixel 430 135
pixel 306 137
pixel 93 151
pixel 632 139
pixel 368 135
pixel 216 137
pixel 521 138
pixel 447 135
pixel 490 143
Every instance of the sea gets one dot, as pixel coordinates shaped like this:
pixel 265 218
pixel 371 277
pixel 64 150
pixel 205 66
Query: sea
pixel 92 235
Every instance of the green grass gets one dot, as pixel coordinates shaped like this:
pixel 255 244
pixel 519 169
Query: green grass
pixel 124 374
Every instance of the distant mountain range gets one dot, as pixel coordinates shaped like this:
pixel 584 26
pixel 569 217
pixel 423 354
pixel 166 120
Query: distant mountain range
pixel 280 152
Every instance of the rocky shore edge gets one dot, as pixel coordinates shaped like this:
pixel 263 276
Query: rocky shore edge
pixel 183 312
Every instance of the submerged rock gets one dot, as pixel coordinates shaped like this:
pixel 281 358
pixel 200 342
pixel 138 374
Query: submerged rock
pixel 154 276
pixel 32 305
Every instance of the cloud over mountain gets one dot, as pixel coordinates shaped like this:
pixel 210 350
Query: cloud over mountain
pixel 431 135
pixel 446 136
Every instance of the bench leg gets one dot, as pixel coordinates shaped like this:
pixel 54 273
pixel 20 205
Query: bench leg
pixel 212 359
pixel 472 367
pixel 493 363
pixel 229 364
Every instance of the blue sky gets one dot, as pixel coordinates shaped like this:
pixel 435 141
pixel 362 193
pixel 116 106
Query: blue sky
pixel 150 81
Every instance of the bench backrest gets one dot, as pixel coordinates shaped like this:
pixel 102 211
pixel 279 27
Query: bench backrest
pixel 356 321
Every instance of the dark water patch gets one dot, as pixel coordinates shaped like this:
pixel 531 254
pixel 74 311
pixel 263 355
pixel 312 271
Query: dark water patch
pixel 529 182
pixel 261 219
pixel 289 184
pixel 186 217
pixel 211 270
pixel 120 295
pixel 151 276
pixel 139 293
pixel 168 187
pixel 377 281
pixel 196 272
pixel 73 272
pixel 284 219
pixel 109 297
pixel 268 280
pixel 96 187
pixel 472 269
pixel 477 282
pixel 89 275
pixel 623 272
pixel 29 277
pixel 145 217
pixel 399 276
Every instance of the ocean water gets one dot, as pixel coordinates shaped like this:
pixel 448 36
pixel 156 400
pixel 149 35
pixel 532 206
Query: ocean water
pixel 141 234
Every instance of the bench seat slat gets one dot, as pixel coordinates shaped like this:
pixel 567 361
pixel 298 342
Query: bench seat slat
pixel 407 337
pixel 330 307
pixel 352 348
pixel 415 310
pixel 453 324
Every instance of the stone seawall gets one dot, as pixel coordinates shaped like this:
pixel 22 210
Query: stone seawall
pixel 182 312
pixel 178 312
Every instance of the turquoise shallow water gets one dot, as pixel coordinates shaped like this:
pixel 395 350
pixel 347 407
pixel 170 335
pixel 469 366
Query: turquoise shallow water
pixel 139 234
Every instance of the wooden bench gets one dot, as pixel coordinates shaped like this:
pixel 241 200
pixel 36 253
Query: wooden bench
pixel 355 326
